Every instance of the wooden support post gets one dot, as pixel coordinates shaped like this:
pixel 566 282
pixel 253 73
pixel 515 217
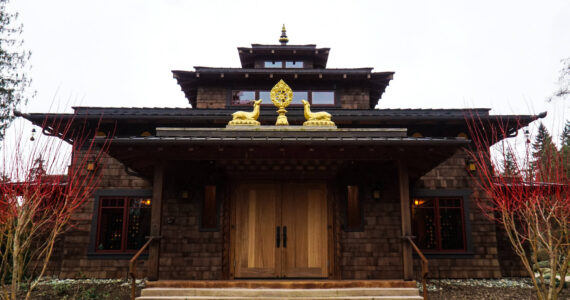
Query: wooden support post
pixel 406 219
pixel 155 221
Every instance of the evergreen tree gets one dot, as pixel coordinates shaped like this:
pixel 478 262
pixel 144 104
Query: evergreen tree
pixel 544 151
pixel 565 136
pixel 565 148
pixel 13 78
pixel 510 169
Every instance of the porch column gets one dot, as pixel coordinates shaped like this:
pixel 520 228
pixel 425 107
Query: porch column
pixel 406 219
pixel 155 221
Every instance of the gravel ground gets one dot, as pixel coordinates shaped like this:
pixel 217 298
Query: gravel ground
pixel 506 288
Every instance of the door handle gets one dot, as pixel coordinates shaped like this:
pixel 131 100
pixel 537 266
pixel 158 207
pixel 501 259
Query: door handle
pixel 284 236
pixel 277 237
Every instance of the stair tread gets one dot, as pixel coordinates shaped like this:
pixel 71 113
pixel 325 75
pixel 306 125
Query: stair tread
pixel 283 298
pixel 244 292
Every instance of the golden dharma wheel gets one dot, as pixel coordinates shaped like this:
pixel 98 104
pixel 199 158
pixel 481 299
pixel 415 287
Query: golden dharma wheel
pixel 281 94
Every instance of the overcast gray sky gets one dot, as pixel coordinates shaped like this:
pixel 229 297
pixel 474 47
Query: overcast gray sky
pixel 504 55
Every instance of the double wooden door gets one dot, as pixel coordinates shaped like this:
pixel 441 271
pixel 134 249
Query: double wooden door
pixel 280 230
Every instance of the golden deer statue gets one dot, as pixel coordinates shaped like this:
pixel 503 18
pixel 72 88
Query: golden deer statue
pixel 321 118
pixel 246 117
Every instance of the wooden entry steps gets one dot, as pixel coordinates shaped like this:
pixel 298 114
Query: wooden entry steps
pixel 286 289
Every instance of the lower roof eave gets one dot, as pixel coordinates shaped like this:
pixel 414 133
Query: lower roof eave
pixel 163 141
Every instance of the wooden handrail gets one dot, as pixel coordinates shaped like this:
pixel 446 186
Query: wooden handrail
pixel 424 265
pixel 133 265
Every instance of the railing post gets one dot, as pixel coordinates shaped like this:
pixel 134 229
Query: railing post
pixel 425 267
pixel 133 265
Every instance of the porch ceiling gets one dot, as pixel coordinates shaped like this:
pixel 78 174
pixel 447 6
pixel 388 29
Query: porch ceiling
pixel 421 154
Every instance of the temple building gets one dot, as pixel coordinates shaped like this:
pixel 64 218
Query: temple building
pixel 284 169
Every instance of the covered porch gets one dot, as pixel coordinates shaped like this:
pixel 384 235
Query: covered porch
pixel 355 229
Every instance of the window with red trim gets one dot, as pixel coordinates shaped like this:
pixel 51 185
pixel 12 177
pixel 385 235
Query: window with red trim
pixel 123 223
pixel 439 224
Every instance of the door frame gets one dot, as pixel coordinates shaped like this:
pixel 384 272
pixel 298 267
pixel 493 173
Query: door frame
pixel 330 225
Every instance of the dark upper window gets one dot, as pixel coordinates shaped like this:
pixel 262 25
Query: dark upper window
pixel 123 223
pixel 293 64
pixel 273 64
pixel 314 97
pixel 354 220
pixel 323 98
pixel 439 224
pixel 243 97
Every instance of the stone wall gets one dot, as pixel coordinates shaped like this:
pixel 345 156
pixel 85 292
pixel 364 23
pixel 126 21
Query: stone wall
pixel 211 98
pixel 354 98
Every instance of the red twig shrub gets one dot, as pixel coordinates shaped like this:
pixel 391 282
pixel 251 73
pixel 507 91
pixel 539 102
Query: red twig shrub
pixel 44 182
pixel 528 194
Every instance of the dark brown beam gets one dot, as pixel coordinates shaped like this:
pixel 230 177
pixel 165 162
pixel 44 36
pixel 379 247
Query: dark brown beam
pixel 156 221
pixel 404 184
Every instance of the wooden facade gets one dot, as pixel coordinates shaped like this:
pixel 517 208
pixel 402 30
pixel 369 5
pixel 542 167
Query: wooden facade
pixel 284 202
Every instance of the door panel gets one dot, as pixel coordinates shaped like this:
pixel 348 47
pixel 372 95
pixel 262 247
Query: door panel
pixel 304 214
pixel 258 214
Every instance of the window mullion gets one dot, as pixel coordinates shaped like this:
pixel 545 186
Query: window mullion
pixel 125 224
pixel 437 224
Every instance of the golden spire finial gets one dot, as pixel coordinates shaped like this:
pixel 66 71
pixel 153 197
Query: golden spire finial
pixel 283 39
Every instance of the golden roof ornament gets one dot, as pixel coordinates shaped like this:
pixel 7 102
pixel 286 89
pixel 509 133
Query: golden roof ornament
pixel 245 117
pixel 283 39
pixel 281 96
pixel 321 118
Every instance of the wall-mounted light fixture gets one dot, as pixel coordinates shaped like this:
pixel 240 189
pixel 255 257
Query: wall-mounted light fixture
pixel 419 201
pixel 91 165
pixel 377 193
pixel 470 164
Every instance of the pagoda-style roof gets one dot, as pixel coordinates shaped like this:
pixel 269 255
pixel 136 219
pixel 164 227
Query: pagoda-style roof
pixel 248 55
pixel 376 82
pixel 429 123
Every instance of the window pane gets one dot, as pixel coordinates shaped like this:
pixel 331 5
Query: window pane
pixel 110 229
pixel 323 98
pixel 449 202
pixel 423 221
pixel 293 64
pixel 139 222
pixel 265 96
pixel 242 97
pixel 273 64
pixel 209 208
pixel 298 96
pixel 451 228
pixel 353 211
pixel 112 202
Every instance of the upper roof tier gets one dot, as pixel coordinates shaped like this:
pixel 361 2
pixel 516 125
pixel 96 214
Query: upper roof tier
pixel 257 55
pixel 303 67
pixel 283 55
